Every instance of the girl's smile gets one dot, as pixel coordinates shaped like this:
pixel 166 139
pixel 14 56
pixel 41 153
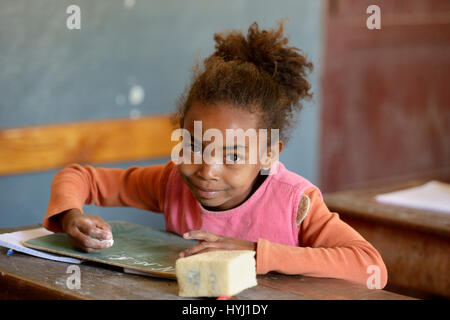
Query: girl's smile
pixel 205 193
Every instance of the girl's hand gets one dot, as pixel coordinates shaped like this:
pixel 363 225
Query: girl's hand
pixel 210 242
pixel 79 227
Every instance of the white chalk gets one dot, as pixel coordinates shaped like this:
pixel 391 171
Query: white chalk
pixel 111 242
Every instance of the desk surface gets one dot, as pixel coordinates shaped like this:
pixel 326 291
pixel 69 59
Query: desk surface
pixel 414 243
pixel 27 277
pixel 361 204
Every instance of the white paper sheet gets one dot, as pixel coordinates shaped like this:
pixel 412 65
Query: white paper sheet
pixel 14 241
pixel 433 195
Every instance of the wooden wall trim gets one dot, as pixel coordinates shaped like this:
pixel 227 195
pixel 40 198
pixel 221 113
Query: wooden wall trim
pixel 47 147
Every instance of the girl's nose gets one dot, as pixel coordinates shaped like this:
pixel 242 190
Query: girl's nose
pixel 208 171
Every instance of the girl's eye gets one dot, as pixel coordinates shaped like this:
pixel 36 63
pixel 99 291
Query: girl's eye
pixel 233 157
pixel 195 149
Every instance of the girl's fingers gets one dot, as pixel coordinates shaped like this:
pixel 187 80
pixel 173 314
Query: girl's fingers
pixel 102 224
pixel 200 247
pixel 76 243
pixel 201 235
pixel 105 227
pixel 100 234
pixel 207 250
pixel 90 228
pixel 209 241
pixel 86 242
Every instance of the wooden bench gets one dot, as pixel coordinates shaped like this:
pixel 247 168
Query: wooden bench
pixel 116 140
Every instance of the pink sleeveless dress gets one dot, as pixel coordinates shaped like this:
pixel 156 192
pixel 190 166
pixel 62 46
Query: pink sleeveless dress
pixel 270 213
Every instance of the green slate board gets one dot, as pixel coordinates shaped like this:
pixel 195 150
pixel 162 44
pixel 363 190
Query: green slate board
pixel 135 247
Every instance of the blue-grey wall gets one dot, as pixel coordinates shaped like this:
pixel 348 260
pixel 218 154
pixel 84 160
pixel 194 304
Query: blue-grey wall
pixel 49 74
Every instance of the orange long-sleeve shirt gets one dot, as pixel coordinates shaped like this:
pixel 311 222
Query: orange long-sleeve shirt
pixel 328 247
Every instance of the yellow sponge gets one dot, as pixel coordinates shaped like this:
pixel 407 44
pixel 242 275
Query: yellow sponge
pixel 216 273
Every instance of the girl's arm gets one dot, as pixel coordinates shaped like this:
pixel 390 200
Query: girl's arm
pixel 328 248
pixel 76 185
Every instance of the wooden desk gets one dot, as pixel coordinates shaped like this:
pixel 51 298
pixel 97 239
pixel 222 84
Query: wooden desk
pixel 27 277
pixel 414 244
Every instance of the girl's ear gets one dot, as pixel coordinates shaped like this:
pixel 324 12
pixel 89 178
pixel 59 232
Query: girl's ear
pixel 272 155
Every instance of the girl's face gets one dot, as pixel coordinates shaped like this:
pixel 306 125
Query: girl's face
pixel 220 186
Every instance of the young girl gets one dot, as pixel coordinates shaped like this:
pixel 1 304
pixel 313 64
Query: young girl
pixel 249 82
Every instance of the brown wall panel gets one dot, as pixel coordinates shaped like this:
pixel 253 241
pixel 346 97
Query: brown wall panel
pixel 386 97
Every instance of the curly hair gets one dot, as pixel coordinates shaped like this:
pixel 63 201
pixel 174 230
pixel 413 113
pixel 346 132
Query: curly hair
pixel 259 73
